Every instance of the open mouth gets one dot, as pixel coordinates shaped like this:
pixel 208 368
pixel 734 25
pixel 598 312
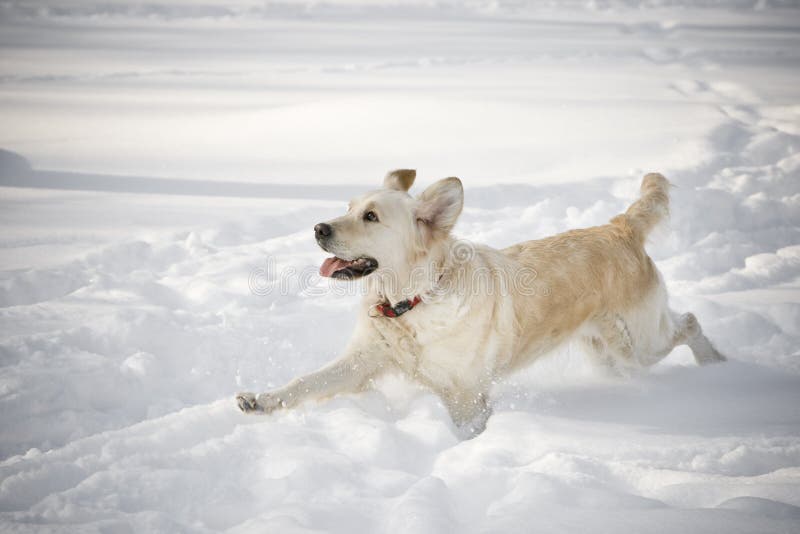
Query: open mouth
pixel 347 269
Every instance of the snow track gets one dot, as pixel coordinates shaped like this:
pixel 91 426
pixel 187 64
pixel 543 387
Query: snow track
pixel 132 311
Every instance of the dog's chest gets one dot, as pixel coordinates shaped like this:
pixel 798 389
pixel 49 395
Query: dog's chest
pixel 438 344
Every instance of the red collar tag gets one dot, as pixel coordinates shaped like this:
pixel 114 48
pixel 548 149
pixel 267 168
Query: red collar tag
pixel 401 307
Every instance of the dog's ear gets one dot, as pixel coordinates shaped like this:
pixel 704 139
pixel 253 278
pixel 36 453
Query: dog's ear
pixel 440 205
pixel 400 180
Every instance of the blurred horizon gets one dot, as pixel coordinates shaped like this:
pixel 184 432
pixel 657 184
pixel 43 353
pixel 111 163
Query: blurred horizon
pixel 342 91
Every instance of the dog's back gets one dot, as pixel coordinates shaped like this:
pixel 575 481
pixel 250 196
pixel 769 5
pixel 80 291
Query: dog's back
pixel 600 283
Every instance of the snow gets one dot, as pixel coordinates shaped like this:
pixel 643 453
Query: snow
pixel 169 261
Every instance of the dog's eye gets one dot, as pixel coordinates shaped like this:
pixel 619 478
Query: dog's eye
pixel 370 216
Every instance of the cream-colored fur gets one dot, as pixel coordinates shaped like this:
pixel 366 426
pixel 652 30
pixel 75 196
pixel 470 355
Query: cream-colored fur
pixel 487 312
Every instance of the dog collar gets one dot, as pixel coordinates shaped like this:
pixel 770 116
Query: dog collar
pixel 400 308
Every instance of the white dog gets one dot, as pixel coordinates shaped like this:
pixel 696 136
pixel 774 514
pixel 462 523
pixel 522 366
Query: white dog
pixel 457 317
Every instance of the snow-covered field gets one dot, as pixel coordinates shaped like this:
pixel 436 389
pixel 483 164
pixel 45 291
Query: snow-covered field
pixel 134 308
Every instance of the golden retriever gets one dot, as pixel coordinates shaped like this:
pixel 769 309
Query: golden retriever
pixel 457 317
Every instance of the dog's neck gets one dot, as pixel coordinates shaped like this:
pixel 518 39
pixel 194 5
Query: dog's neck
pixel 420 279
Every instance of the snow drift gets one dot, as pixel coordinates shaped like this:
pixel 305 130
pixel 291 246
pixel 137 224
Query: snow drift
pixel 132 310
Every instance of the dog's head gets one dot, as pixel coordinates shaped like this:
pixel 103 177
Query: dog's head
pixel 388 228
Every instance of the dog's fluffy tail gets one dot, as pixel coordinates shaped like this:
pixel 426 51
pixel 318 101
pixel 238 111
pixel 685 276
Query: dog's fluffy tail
pixel 650 209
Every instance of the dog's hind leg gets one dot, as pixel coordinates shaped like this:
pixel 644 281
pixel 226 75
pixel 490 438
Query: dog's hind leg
pixel 686 330
pixel 656 330
pixel 613 345
pixel 609 343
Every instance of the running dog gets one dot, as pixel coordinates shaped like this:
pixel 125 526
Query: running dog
pixel 457 317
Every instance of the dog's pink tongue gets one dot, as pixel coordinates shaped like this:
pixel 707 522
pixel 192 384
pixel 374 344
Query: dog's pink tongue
pixel 331 265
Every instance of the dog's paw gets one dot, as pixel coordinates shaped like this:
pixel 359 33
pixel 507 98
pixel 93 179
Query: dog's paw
pixel 262 403
pixel 247 402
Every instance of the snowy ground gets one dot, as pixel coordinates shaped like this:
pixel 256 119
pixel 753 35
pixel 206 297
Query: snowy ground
pixel 128 320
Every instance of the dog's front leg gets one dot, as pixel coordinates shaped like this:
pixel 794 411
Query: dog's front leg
pixel 469 410
pixel 350 373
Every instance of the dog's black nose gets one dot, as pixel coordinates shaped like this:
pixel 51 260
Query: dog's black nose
pixel 323 230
